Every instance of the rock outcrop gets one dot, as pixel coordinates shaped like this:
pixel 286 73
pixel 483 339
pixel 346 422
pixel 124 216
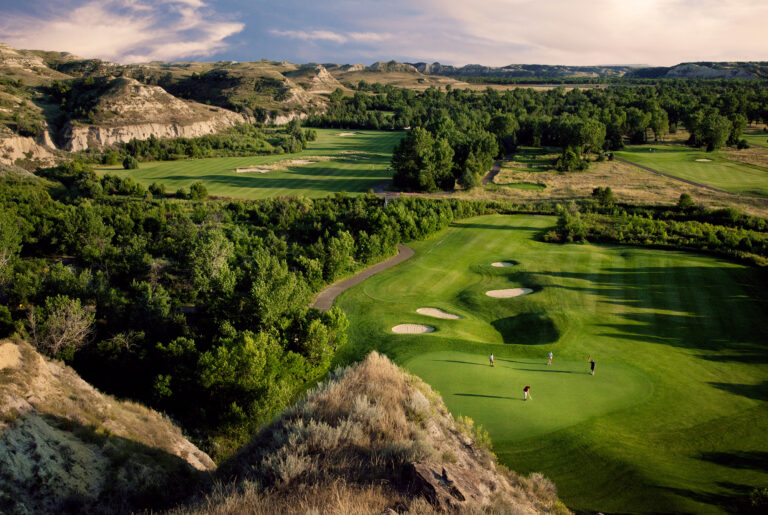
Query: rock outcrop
pixel 372 439
pixel 20 147
pixel 66 447
pixel 131 109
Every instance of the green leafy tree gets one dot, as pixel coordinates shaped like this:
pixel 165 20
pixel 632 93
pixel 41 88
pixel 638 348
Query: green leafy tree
pixel 61 327
pixel 198 191
pixel 130 163
pixel 413 161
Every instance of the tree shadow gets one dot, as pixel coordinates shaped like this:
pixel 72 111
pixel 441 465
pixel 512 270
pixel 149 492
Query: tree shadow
pixel 757 392
pixel 749 460
pixel 722 325
pixel 527 329
pixel 487 396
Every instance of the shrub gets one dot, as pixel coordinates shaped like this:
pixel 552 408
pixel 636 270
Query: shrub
pixel 130 163
pixel 742 144
pixel 198 191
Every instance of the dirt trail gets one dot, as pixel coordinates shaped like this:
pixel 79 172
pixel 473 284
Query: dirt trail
pixel 325 298
pixel 495 169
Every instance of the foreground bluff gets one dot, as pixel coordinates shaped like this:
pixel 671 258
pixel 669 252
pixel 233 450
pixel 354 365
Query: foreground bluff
pixel 65 447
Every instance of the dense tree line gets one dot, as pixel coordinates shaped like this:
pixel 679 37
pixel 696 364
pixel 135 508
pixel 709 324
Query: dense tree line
pixel 684 226
pixel 482 125
pixel 196 308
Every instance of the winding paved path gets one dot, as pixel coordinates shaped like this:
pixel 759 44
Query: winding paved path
pixel 325 298
pixel 698 184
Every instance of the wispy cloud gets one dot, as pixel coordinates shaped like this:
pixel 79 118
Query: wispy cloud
pixel 336 37
pixel 124 30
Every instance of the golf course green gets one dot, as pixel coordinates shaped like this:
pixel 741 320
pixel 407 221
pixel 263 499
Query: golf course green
pixel 675 417
pixel 354 162
pixel 710 168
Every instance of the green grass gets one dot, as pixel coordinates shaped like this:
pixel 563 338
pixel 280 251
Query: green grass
pixel 674 419
pixel 720 172
pixel 756 138
pixel 522 185
pixel 344 172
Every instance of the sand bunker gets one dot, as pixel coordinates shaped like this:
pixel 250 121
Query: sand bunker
pixel 508 294
pixel 10 357
pixel 704 160
pixel 281 165
pixel 437 313
pixel 348 134
pixel 502 264
pixel 412 329
pixel 258 170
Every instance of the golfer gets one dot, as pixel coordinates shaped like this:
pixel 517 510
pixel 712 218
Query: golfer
pixel 592 366
pixel 527 393
pixel 549 358
pixel 491 358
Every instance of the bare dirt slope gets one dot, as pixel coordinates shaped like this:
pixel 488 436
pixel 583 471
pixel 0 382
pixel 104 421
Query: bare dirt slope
pixel 65 447
pixel 373 438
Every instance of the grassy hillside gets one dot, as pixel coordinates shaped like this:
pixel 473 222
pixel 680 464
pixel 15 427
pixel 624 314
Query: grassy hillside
pixel 674 418
pixel 352 163
pixel 369 440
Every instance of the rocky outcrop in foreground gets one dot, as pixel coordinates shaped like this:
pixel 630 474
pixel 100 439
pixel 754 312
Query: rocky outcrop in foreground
pixel 65 447
pixel 373 439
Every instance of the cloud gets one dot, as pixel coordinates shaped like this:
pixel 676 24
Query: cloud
pixel 124 30
pixel 500 32
pixel 327 35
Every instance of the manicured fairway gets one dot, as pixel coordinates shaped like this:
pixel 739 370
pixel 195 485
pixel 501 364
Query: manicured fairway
pixel 676 415
pixel 719 172
pixel 359 164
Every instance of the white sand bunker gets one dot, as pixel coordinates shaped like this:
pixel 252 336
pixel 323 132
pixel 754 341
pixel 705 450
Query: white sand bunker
pixel 300 162
pixel 412 329
pixel 437 313
pixel 348 134
pixel 500 264
pixel 252 169
pixel 704 160
pixel 508 294
pixel 10 357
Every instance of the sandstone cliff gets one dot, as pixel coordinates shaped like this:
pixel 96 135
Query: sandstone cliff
pixel 66 447
pixel 130 109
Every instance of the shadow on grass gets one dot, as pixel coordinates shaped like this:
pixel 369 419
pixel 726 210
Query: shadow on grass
pixel 758 392
pixel 749 460
pixel 721 319
pixel 527 329
pixel 487 396
pixel 460 362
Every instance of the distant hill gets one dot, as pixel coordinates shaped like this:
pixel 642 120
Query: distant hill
pixel 521 70
pixel 705 70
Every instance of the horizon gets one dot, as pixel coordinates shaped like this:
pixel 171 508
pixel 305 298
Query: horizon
pixel 499 33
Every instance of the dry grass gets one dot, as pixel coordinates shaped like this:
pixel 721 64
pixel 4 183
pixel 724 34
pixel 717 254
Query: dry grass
pixel 755 156
pixel 65 446
pixel 629 183
pixel 351 446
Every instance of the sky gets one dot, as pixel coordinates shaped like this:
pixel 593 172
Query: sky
pixel 489 32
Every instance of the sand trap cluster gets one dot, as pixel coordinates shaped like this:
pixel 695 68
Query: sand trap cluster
pixel 437 313
pixel 502 264
pixel 10 357
pixel 704 160
pixel 412 329
pixel 348 134
pixel 508 294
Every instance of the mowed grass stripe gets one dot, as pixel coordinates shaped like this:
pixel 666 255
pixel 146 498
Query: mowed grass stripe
pixel 358 163
pixel 675 417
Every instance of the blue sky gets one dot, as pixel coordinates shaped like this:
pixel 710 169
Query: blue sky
pixel 492 32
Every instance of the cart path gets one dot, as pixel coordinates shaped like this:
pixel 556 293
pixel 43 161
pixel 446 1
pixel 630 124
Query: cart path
pixel 325 298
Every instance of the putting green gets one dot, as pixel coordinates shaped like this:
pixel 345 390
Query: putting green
pixel 562 394
pixel 676 415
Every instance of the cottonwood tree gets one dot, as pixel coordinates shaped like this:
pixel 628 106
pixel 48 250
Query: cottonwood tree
pixel 61 327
